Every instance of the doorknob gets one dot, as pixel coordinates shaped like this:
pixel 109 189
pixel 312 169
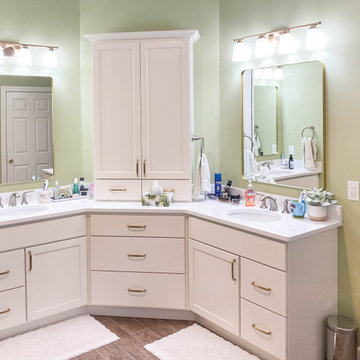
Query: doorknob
pixel 11 161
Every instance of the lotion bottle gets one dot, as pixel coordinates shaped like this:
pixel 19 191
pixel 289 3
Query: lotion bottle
pixel 250 195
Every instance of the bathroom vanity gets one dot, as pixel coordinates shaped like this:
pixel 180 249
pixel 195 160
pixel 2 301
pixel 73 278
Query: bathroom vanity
pixel 267 284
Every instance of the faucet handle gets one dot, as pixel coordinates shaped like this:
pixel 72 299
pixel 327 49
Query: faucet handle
pixel 23 197
pixel 286 206
pixel 1 205
pixel 263 202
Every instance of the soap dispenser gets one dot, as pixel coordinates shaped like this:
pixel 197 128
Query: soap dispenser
pixel 250 195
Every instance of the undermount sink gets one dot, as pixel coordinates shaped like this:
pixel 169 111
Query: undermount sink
pixel 255 215
pixel 22 210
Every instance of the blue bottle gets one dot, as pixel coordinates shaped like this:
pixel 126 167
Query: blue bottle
pixel 217 184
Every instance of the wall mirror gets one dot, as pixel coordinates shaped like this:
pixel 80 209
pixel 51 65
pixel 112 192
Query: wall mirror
pixel 26 133
pixel 283 115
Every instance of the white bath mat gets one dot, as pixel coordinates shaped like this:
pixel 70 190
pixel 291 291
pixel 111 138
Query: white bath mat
pixel 61 341
pixel 197 343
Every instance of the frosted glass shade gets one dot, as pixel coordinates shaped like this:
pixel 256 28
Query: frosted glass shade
pixel 287 44
pixel 51 60
pixel 24 57
pixel 315 39
pixel 262 48
pixel 241 52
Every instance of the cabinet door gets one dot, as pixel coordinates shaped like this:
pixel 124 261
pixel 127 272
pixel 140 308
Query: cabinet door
pixel 166 114
pixel 117 146
pixel 56 277
pixel 214 285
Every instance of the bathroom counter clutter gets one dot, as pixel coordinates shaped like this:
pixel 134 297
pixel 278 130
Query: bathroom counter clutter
pixel 274 225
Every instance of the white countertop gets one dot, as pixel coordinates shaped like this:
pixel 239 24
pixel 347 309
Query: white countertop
pixel 286 229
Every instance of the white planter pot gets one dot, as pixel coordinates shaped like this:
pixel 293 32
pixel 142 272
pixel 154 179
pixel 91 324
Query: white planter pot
pixel 317 213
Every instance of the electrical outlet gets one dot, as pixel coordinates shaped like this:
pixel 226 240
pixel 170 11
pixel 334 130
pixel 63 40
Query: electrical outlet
pixel 353 190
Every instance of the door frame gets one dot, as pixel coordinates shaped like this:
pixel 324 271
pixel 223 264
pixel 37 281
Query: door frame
pixel 3 124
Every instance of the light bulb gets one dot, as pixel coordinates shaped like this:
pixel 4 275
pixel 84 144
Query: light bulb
pixel 315 39
pixel 266 74
pixel 51 60
pixel 287 44
pixel 241 52
pixel 278 74
pixel 24 57
pixel 262 47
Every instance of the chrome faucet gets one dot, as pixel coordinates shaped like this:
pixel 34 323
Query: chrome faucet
pixel 267 164
pixel 286 206
pixel 12 199
pixel 23 197
pixel 272 201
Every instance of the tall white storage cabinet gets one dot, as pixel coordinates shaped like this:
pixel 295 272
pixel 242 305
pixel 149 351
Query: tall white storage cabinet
pixel 142 112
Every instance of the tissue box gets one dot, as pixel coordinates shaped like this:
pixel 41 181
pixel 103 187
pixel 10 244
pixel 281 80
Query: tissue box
pixel 150 199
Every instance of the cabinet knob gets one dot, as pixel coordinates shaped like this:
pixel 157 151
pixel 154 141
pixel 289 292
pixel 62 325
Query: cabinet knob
pixel 11 161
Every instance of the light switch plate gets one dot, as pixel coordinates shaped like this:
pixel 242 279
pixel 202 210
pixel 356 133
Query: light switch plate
pixel 353 190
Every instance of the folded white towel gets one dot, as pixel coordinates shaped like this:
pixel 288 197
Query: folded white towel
pixel 202 178
pixel 309 150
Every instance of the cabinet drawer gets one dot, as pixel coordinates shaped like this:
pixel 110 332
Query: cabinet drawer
pixel 12 270
pixel 138 225
pixel 118 190
pixel 138 254
pixel 12 308
pixel 182 188
pixel 264 286
pixel 263 250
pixel 264 329
pixel 138 289
pixel 36 233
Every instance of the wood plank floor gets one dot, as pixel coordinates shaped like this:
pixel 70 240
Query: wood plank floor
pixel 134 333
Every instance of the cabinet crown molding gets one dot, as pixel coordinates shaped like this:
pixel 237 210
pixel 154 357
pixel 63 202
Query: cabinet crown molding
pixel 193 35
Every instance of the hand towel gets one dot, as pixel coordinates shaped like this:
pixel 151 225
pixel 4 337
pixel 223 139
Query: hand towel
pixel 202 178
pixel 249 163
pixel 309 150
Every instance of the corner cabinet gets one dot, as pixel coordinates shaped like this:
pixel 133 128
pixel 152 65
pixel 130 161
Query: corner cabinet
pixel 142 112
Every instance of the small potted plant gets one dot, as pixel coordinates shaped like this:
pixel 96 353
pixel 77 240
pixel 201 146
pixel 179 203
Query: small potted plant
pixel 317 201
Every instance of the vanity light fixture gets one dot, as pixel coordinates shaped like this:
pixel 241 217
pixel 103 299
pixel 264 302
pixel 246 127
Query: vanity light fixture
pixel 24 57
pixel 241 52
pixel 315 39
pixel 51 60
pixel 267 42
pixel 23 53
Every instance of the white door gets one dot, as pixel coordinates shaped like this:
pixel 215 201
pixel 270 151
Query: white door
pixel 56 277
pixel 214 291
pixel 117 110
pixel 166 114
pixel 28 129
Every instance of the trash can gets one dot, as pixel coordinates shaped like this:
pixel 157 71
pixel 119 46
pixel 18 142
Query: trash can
pixel 341 338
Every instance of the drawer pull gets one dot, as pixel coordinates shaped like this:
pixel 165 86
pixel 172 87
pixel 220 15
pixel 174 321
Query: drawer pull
pixel 136 227
pixel 260 330
pixel 137 256
pixel 5 272
pixel 117 189
pixel 5 311
pixel 30 261
pixel 254 284
pixel 233 270
pixel 145 168
pixel 138 291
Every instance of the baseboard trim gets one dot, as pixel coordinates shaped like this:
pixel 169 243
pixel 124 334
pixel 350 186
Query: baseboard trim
pixel 141 312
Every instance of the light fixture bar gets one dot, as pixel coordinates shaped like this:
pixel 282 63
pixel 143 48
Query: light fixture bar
pixel 19 45
pixel 281 31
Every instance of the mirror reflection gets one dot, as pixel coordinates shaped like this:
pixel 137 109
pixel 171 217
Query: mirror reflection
pixel 283 125
pixel 26 128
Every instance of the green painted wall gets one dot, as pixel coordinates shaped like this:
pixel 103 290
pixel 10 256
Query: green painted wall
pixel 142 15
pixel 51 22
pixel 342 91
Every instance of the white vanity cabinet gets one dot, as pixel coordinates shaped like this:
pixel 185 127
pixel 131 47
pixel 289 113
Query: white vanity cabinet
pixel 56 277
pixel 213 280
pixel 43 269
pixel 138 261
pixel 287 289
pixel 142 112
